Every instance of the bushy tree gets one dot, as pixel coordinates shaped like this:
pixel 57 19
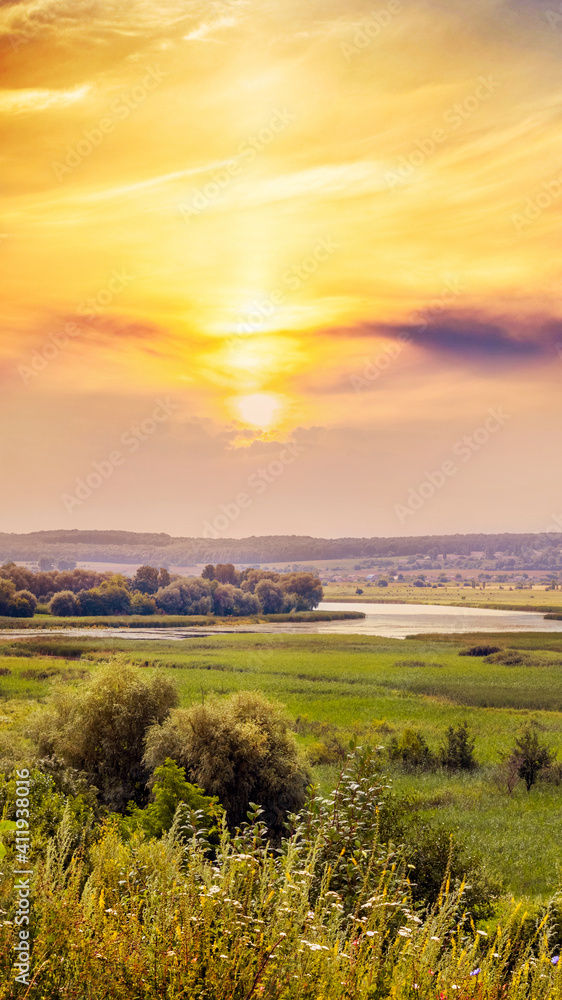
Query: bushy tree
pixel 101 731
pixel 142 604
pixel 16 603
pixel 306 586
pixel 530 756
pixel 145 580
pixel 227 573
pixel 189 596
pixel 230 600
pixel 240 749
pixel 24 604
pixel 65 603
pixel 270 597
pixel 110 598
pixel 457 752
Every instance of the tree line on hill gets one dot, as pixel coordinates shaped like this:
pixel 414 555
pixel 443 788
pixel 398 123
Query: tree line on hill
pixel 133 547
pixel 221 590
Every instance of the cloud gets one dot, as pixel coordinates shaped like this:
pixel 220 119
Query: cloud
pixel 59 19
pixel 22 101
pixel 473 336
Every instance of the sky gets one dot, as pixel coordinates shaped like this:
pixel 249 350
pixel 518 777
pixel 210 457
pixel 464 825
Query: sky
pixel 280 268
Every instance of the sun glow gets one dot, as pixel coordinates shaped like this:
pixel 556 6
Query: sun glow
pixel 260 409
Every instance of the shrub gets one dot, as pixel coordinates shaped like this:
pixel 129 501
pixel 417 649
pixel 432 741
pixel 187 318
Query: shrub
pixel 411 751
pixel 65 603
pixel 509 658
pixel 457 752
pixel 101 732
pixel 239 749
pixel 170 788
pixel 479 651
pixel 436 853
pixel 530 756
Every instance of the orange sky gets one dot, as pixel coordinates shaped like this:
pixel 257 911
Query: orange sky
pixel 335 224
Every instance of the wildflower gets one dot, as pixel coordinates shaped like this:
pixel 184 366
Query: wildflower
pixel 555 960
pixel 475 972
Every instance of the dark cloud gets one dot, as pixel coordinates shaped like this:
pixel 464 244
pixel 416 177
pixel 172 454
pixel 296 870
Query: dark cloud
pixel 473 336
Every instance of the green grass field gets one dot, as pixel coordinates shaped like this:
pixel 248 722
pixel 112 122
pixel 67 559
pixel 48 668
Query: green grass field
pixel 367 687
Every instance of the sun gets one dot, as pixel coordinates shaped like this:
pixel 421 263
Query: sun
pixel 259 409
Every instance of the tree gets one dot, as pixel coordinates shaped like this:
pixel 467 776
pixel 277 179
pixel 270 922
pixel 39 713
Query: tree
pixel 142 604
pixel 209 572
pixel 307 588
pixel 189 596
pixel 24 604
pixel 65 603
pixel 457 752
pixel 101 732
pixel 229 600
pixel 240 749
pixel 7 592
pixel 270 596
pixel 110 598
pixel 145 580
pixel 16 603
pixel 226 573
pixel 164 578
pixel 531 756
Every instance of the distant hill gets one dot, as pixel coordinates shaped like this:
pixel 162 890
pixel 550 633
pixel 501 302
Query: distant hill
pixel 162 549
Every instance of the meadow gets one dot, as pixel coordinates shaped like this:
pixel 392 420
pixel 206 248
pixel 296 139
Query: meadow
pixel 493 595
pixel 336 688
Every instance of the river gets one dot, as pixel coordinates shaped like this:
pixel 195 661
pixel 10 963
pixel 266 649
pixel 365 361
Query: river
pixel 393 621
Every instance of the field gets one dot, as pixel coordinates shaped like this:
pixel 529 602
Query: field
pixel 539 598
pixel 368 687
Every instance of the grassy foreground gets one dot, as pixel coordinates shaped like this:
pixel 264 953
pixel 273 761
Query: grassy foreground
pixel 328 915
pixel 336 687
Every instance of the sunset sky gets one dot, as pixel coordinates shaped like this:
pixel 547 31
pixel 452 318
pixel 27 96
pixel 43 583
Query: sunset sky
pixel 231 227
